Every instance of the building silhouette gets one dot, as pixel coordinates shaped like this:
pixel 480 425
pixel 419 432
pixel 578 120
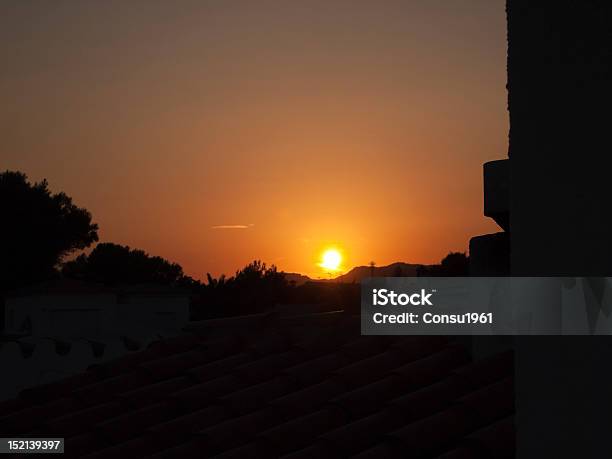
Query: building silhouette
pixel 551 197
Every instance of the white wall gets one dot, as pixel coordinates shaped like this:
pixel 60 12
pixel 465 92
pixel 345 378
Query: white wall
pixel 80 322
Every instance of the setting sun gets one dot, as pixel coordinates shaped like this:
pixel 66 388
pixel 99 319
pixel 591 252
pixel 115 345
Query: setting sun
pixel 331 260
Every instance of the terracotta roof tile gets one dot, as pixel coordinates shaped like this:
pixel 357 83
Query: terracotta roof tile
pixel 308 399
pixel 432 435
pixel 128 425
pixel 496 440
pixel 137 447
pixel 301 432
pixel 266 386
pixel 384 449
pixel 180 343
pixel 416 347
pixel 220 327
pixel 126 363
pixel 433 367
pixel 317 369
pixel 192 449
pixel 28 419
pixel 489 403
pixel 213 368
pixel 79 446
pixel 427 400
pixel 83 421
pixel 268 343
pixel 13 405
pixel 368 399
pixel 171 365
pixel 247 451
pixel 487 371
pixel 105 390
pixel 200 395
pixel 153 393
pixel 367 346
pixel 266 367
pixel 370 369
pixel 316 451
pixel 61 388
pixel 257 396
pixel 237 431
pixel 361 434
pixel 180 429
pixel 435 433
pixel 460 453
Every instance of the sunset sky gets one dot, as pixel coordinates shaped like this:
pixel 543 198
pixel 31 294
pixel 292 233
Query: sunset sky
pixel 213 133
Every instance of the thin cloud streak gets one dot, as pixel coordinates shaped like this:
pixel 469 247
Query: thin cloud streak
pixel 232 226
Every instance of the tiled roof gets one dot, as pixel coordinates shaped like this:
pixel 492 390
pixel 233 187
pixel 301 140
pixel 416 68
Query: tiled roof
pixel 270 386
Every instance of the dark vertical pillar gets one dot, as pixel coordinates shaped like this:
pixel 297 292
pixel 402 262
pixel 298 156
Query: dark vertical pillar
pixel 559 88
pixel 559 80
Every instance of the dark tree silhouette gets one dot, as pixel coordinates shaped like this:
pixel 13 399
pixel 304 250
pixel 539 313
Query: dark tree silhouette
pixel 37 230
pixel 116 264
pixel 254 288
pixel 453 264
pixel 256 273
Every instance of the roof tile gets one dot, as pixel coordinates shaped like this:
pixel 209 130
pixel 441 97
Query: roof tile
pixel 386 449
pixel 434 367
pixel 266 367
pixel 487 371
pixel 79 446
pixel 368 399
pixel 180 429
pixel 257 396
pixel 352 437
pixel 192 449
pixel 245 452
pixel 81 422
pixel 105 390
pixel 300 432
pixel 61 388
pixel 153 393
pixel 370 369
pixel 315 370
pixel 30 418
pixel 200 395
pixel 316 451
pixel 433 434
pixel 137 447
pixel 128 425
pixel 489 403
pixel 172 365
pixel 308 399
pixel 461 453
pixel 268 386
pixel 496 440
pixel 237 431
pixel 212 368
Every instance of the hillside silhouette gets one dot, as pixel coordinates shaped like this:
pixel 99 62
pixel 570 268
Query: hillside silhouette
pixel 358 273
pixel 397 269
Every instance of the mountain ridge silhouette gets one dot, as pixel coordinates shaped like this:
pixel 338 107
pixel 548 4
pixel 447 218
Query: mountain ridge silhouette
pixel 356 274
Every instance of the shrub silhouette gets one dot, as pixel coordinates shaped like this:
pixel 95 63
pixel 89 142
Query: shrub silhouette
pixel 452 265
pixel 254 288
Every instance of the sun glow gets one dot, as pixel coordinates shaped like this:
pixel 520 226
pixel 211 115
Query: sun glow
pixel 331 260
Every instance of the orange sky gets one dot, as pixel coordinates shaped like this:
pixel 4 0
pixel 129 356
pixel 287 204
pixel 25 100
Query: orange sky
pixel 362 124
